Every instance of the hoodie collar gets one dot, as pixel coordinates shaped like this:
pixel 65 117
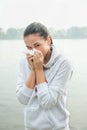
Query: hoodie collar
pixel 55 53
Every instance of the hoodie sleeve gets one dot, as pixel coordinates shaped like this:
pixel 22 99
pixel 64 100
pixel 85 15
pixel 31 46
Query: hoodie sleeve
pixel 48 95
pixel 23 93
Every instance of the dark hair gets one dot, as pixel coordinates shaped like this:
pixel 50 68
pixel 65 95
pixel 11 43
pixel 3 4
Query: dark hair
pixel 37 28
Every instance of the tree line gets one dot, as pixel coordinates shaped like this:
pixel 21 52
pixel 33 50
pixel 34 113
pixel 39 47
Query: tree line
pixel 71 33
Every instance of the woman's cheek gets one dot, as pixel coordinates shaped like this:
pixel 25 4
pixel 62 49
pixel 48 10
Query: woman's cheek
pixel 44 54
pixel 42 51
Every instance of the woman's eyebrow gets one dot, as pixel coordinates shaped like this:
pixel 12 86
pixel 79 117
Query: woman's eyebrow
pixel 36 43
pixel 33 44
pixel 28 46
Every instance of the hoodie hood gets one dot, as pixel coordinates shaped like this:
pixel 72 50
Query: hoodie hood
pixel 55 53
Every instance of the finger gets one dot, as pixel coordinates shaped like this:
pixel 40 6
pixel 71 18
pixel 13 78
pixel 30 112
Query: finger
pixel 37 59
pixel 30 59
pixel 39 52
pixel 40 56
pixel 29 56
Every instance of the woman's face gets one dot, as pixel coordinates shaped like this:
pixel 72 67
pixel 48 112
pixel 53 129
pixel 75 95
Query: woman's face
pixel 38 42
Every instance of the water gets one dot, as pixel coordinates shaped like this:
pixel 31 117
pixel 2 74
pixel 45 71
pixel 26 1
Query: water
pixel 11 111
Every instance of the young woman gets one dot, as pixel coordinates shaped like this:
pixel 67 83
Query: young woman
pixel 42 82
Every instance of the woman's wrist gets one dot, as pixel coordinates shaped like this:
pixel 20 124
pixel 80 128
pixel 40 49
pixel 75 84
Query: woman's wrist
pixel 31 80
pixel 40 76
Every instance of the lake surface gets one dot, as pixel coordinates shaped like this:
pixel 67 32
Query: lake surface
pixel 11 111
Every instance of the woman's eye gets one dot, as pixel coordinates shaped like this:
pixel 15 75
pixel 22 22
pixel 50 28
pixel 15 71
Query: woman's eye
pixel 37 45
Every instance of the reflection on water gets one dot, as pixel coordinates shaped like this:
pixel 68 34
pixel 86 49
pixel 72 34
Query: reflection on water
pixel 11 111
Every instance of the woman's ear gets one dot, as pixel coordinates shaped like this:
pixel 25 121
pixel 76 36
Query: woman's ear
pixel 49 40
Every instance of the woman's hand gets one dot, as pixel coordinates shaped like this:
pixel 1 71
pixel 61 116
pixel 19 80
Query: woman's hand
pixel 30 60
pixel 38 60
pixel 38 65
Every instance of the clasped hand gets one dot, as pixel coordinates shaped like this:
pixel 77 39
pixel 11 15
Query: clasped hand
pixel 36 60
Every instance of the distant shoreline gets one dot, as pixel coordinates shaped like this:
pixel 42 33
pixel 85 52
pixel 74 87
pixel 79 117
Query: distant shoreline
pixel 71 33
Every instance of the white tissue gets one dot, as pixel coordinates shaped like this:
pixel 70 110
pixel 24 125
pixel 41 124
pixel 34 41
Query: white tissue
pixel 31 52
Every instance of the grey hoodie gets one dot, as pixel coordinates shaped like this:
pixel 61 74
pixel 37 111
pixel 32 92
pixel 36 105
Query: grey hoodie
pixel 45 108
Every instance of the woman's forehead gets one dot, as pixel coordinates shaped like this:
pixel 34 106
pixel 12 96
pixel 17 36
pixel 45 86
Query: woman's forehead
pixel 33 38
